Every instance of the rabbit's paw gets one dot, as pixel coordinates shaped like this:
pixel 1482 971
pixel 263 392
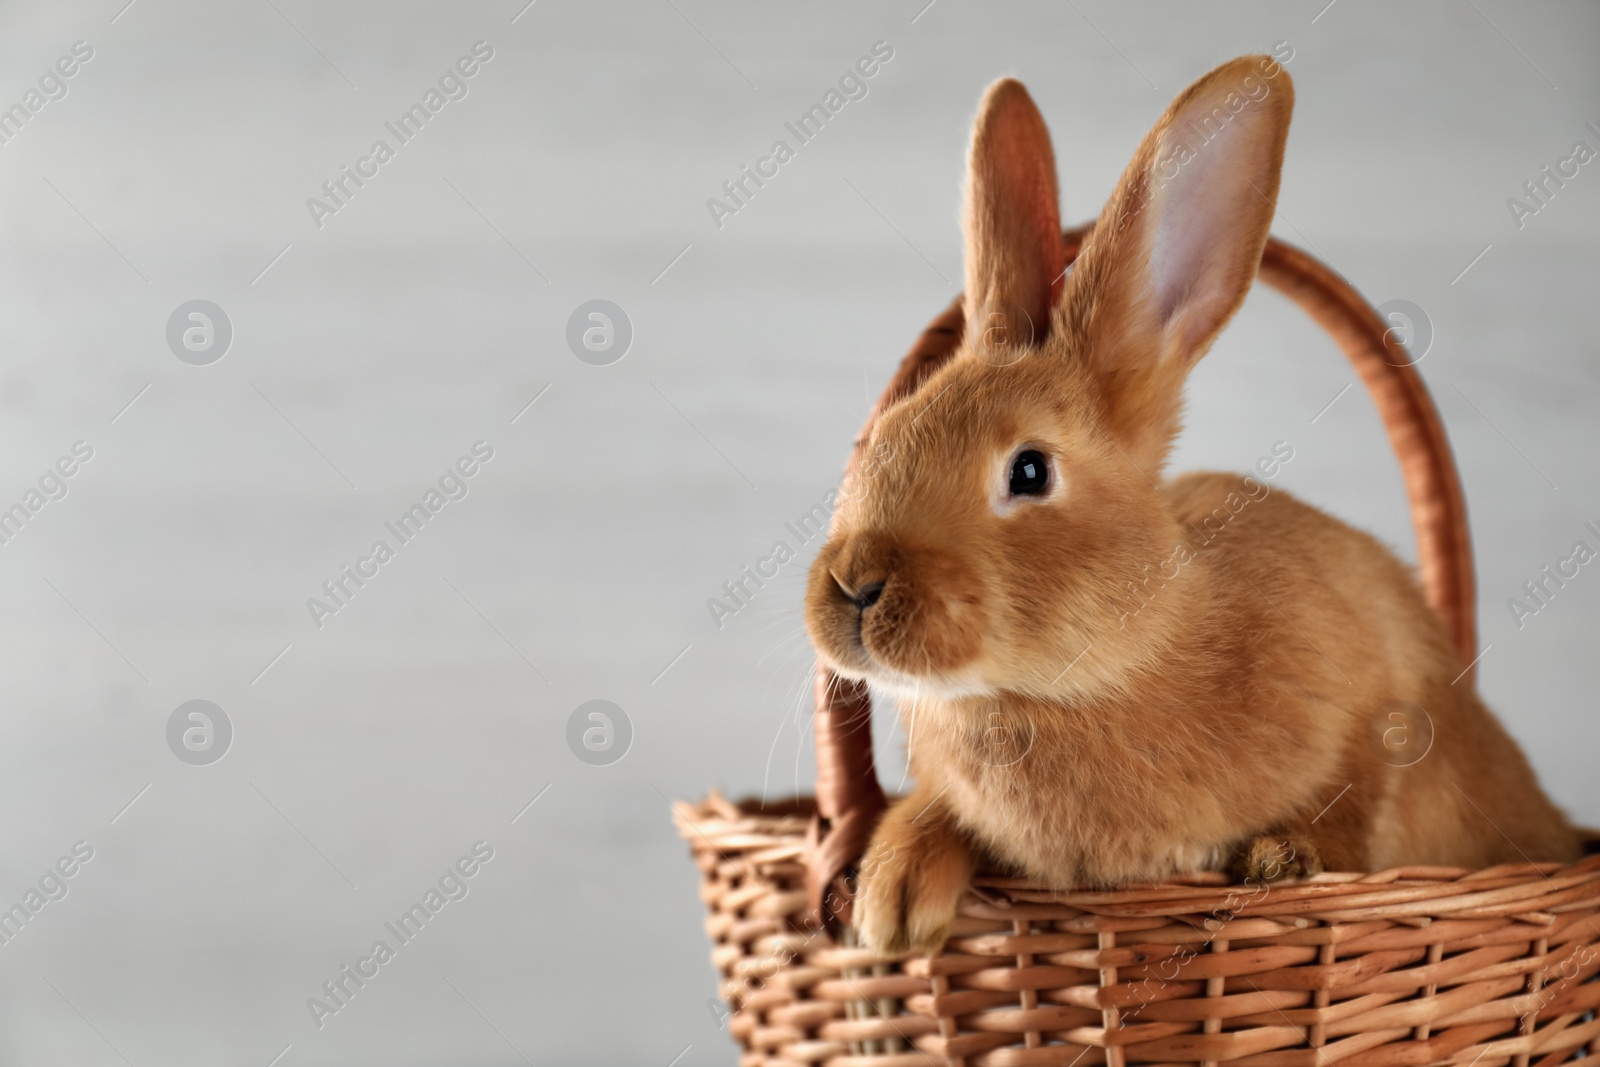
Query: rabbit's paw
pixel 911 882
pixel 1274 858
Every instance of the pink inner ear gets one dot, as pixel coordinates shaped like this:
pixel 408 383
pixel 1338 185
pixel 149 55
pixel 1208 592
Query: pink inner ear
pixel 1201 176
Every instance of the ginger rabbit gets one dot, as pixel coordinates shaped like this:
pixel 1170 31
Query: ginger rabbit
pixel 982 571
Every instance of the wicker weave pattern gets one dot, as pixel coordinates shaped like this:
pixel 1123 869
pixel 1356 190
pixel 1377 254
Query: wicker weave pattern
pixel 1402 968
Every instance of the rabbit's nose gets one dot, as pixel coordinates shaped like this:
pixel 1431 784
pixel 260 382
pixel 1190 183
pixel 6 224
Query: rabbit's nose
pixel 867 595
pixel 863 596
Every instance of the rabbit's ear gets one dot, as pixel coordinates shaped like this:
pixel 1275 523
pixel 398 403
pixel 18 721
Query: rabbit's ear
pixel 1177 247
pixel 1011 222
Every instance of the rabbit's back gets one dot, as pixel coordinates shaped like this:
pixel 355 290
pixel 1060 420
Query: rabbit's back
pixel 1424 773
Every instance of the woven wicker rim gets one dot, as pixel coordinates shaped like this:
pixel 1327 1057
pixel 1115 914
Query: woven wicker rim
pixel 1530 892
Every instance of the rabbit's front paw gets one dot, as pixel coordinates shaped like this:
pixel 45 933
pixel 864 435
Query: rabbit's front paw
pixel 1275 857
pixel 911 882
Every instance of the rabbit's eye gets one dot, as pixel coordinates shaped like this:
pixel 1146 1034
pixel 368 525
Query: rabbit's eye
pixel 1030 474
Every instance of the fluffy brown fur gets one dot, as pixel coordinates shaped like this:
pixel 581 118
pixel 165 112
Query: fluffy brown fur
pixel 1229 721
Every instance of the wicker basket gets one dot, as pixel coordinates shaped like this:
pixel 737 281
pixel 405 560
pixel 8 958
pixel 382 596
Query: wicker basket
pixel 1400 968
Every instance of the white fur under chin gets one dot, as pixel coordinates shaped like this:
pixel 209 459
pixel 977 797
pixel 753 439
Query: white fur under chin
pixel 886 681
pixel 908 687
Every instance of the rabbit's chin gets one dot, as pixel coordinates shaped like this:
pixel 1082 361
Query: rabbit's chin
pixel 946 685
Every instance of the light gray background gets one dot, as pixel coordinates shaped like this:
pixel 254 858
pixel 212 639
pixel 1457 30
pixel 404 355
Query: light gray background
pixel 411 325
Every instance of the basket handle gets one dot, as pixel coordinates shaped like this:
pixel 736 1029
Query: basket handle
pixel 849 798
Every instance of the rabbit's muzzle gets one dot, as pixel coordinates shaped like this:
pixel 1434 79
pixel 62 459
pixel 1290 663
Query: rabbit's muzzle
pixel 889 609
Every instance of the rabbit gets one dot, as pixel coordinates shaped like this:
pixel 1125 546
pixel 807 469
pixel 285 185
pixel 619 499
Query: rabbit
pixel 979 568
